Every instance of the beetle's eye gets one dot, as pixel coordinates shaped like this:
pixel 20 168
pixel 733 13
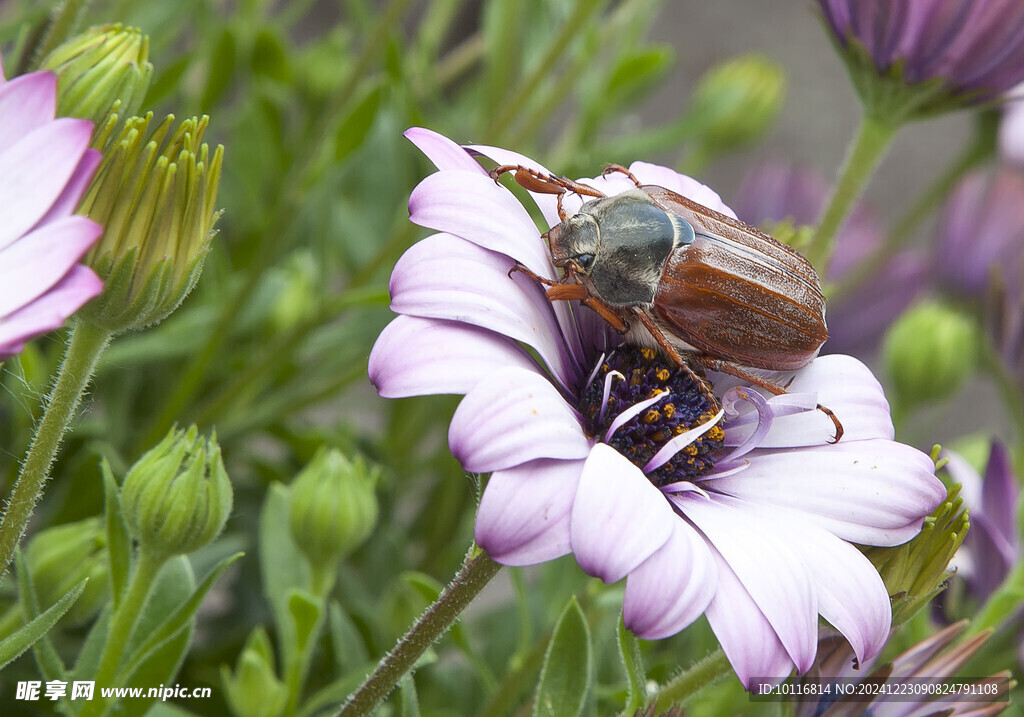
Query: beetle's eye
pixel 585 261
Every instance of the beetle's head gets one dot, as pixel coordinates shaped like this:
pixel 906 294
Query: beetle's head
pixel 575 242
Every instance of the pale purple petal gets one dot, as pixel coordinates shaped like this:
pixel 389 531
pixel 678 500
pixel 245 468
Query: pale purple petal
pixel 524 513
pixel 37 261
pixel 26 102
pixel 746 636
pixel 873 492
pixel 1000 492
pixel 34 171
pixel 672 588
pixel 1011 128
pixel 680 184
pixel 851 594
pixel 619 518
pixel 512 417
pixel 440 150
pixel 418 357
pixel 473 207
pixel 769 568
pixel 445 277
pixel 75 188
pixel 843 384
pixel 547 203
pixel 49 311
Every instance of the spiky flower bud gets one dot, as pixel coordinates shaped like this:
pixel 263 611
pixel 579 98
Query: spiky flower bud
pixel 737 101
pixel 155 193
pixel 254 690
pixel 61 557
pixel 929 352
pixel 105 69
pixel 333 506
pixel 177 497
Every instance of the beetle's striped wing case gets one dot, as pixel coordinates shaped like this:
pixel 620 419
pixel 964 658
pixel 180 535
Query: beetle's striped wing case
pixel 738 294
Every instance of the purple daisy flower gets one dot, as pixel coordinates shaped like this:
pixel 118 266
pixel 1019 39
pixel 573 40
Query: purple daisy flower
pixel 981 235
pixel 45 167
pixel 1011 128
pixel 780 191
pixel 744 514
pixel 974 50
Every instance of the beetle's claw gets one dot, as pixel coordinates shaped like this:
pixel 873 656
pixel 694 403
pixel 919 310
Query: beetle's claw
pixel 835 421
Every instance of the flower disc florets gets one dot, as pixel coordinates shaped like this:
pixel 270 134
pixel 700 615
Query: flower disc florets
pixel 630 376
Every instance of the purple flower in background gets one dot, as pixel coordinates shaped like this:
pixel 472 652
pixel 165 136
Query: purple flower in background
pixel 970 52
pixel 1011 127
pixel 780 191
pixel 932 661
pixel 993 544
pixel 45 167
pixel 745 513
pixel 981 236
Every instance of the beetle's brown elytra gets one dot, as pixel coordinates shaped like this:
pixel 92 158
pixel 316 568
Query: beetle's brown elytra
pixel 672 274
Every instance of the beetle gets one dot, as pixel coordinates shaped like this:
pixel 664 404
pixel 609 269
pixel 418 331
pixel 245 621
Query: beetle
pixel 674 275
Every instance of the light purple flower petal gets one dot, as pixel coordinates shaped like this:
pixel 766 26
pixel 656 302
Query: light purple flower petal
pixel 525 511
pixel 770 569
pixel 547 203
pixel 49 311
pixel 1011 128
pixel 619 518
pixel 873 492
pixel 440 150
pixel 37 261
pixel 680 184
pixel 34 171
pixel 445 277
pixel 422 357
pixel 843 384
pixel 671 588
pixel 73 192
pixel 26 102
pixel 473 207
pixel 851 594
pixel 512 417
pixel 746 636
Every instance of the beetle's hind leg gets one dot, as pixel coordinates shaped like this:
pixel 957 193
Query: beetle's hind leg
pixel 534 181
pixel 724 367
pixel 613 168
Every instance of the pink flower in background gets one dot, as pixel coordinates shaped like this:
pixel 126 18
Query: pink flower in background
pixel 780 191
pixel 45 167
pixel 746 515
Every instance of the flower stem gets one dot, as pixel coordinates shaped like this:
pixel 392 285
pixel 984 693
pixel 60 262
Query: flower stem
pixel 866 151
pixel 476 571
pixel 122 623
pixel 83 351
pixel 706 672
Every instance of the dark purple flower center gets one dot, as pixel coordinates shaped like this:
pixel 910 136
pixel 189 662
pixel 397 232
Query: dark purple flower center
pixel 631 375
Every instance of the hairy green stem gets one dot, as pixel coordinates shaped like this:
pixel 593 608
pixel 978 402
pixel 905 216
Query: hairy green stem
pixel 80 357
pixel 476 571
pixel 865 152
pixel 121 625
pixel 706 672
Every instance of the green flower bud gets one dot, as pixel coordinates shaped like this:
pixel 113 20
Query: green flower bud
pixel 333 507
pixel 155 193
pixel 61 557
pixel 736 102
pixel 105 69
pixel 929 353
pixel 177 497
pixel 254 689
pixel 915 572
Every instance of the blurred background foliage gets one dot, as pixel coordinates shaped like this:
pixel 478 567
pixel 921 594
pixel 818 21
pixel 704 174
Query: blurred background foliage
pixel 310 99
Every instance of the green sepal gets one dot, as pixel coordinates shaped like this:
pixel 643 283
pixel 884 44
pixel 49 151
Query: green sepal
pixel 119 545
pixel 633 666
pixel 16 643
pixel 568 666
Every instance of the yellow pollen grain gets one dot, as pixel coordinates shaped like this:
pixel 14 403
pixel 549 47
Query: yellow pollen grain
pixel 651 416
pixel 669 409
pixel 716 434
pixel 647 353
pixel 690 450
pixel 662 374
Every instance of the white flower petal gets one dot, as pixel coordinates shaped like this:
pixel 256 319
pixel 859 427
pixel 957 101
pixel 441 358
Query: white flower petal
pixel 440 150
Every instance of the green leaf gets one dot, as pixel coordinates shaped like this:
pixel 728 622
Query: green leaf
pixel 222 67
pixel 565 678
pixel 269 58
pixel 50 665
pixel 282 565
pixel 632 664
pixel 349 649
pixel 119 544
pixel 354 128
pixel 410 700
pixel 638 69
pixel 334 694
pixel 304 610
pixel 177 620
pixel 16 643
pixel 166 81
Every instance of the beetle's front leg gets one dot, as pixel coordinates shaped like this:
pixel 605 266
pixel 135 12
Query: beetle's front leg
pixel 534 181
pixel 612 168
pixel 565 290
pixel 714 364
